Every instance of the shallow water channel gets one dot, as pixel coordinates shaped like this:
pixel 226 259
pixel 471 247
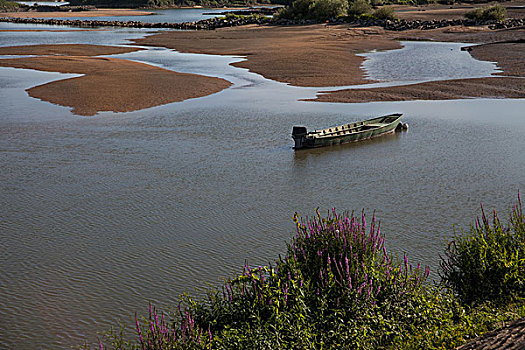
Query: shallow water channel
pixel 102 214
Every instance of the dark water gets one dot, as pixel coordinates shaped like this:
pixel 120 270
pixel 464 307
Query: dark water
pixel 101 215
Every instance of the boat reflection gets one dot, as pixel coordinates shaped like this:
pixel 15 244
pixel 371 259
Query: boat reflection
pixel 305 153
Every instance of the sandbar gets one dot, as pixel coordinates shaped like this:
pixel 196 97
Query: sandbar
pixel 504 47
pixel 111 84
pixel 314 55
pixel 322 56
pixel 66 50
pixel 496 87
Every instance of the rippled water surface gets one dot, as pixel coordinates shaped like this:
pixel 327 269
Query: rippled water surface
pixel 102 214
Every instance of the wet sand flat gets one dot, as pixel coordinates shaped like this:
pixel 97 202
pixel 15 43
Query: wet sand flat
pixel 314 55
pixel 66 50
pixel 319 55
pixel 111 84
pixel 435 90
pixel 509 55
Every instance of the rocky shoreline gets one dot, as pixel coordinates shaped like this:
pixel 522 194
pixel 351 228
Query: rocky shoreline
pixel 220 22
pixel 206 24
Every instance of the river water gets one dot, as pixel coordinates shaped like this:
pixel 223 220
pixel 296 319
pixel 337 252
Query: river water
pixel 101 215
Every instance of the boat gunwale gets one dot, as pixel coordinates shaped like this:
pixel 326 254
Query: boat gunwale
pixel 316 134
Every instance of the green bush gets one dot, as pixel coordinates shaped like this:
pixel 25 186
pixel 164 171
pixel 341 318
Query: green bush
pixel 328 9
pixel 319 10
pixel 491 13
pixel 488 263
pixel 9 5
pixel 358 8
pixel 386 12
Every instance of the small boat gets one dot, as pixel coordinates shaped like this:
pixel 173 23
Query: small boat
pixel 352 132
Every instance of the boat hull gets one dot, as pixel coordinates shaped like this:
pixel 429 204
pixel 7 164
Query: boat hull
pixel 354 132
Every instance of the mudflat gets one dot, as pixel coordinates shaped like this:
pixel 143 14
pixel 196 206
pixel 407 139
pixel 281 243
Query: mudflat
pixel 66 50
pixel 111 84
pixel 314 55
pixel 320 55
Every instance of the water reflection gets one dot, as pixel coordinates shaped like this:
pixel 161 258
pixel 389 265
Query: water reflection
pixel 347 148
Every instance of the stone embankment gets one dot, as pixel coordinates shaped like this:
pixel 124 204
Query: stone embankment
pixel 206 24
pixel 217 22
pixel 418 24
pixel 400 25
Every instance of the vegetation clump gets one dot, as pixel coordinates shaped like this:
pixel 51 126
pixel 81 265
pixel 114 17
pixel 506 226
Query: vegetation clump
pixel 386 13
pixel 358 8
pixel 339 287
pixel 491 13
pixel 488 264
pixel 7 6
pixel 318 10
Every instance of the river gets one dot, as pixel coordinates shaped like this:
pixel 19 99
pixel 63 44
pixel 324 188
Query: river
pixel 101 215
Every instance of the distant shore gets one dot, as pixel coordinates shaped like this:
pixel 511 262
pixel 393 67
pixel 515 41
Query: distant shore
pixel 99 12
pixel 317 55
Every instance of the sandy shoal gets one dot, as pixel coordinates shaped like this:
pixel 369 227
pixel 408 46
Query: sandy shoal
pixel 509 56
pixel 112 84
pixel 435 90
pixel 320 56
pixel 66 50
pixel 83 14
pixel 315 55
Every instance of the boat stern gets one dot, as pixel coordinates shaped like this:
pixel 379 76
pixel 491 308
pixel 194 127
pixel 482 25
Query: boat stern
pixel 299 136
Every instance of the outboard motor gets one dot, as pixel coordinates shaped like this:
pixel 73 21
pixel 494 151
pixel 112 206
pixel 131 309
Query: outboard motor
pixel 298 134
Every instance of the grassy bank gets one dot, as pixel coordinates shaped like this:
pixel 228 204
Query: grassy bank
pixel 339 287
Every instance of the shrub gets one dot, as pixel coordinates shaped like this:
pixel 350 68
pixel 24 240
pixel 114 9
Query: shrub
pixel 488 263
pixel 6 5
pixel 491 13
pixel 358 8
pixel 319 10
pixel 328 9
pixel 386 12
pixel 300 9
pixel 336 286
